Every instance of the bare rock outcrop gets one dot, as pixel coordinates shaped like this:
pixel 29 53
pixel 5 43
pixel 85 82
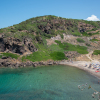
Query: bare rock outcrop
pixel 9 62
pixel 15 45
pixel 71 54
pixel 83 27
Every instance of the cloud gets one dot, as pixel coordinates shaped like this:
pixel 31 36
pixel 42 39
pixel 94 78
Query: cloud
pixel 92 18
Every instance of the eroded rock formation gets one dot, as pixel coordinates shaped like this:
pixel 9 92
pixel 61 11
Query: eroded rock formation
pixel 16 46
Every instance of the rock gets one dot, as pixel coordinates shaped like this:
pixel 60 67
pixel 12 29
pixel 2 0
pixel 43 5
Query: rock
pixel 29 44
pixel 16 46
pixel 3 57
pixel 71 54
pixel 83 27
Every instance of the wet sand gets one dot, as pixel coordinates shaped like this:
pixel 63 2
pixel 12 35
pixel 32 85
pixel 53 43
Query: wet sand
pixel 81 65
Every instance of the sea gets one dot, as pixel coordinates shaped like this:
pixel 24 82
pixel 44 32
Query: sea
pixel 54 82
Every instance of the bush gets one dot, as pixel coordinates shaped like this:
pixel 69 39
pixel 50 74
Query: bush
pixel 0 56
pixel 94 40
pixel 58 55
pixel 76 34
pixel 96 52
pixel 71 47
pixel 62 36
pixel 88 44
pixel 42 54
pixel 86 34
pixel 80 40
pixel 10 55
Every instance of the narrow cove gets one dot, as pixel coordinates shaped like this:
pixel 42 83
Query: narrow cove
pixel 56 82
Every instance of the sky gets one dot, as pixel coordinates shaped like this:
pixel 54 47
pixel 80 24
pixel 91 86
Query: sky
pixel 15 11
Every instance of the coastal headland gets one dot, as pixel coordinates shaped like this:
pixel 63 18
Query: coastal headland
pixel 49 40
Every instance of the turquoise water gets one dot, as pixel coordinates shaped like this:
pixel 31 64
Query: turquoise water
pixel 46 83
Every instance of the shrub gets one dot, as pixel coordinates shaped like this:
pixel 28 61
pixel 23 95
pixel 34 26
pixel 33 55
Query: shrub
pixel 88 44
pixel 71 47
pixel 0 56
pixel 10 55
pixel 96 52
pixel 94 40
pixel 1 30
pixel 40 55
pixel 86 34
pixel 58 55
pixel 80 40
pixel 76 34
pixel 62 36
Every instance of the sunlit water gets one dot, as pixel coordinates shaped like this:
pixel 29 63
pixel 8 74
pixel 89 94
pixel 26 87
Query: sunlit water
pixel 46 83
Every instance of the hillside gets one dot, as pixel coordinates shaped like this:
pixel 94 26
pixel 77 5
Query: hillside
pixel 50 37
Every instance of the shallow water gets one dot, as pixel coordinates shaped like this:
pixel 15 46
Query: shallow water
pixel 46 83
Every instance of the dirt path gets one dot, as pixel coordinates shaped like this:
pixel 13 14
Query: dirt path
pixel 89 55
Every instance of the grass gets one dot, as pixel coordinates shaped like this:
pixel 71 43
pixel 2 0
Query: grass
pixel 55 47
pixel 10 55
pixel 43 53
pixel 96 52
pixel 94 40
pixel 0 55
pixel 76 34
pixel 71 47
pixel 58 55
pixel 86 34
pixel 67 26
pixel 80 40
pixel 89 34
pixel 62 36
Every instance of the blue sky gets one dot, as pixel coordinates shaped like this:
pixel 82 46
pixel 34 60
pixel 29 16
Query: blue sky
pixel 15 11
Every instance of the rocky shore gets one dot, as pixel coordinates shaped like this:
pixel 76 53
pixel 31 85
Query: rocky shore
pixel 15 64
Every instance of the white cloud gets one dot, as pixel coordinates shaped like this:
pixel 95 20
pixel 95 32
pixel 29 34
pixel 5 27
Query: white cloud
pixel 92 18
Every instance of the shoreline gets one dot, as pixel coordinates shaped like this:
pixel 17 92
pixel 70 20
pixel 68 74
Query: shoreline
pixel 81 65
pixel 78 64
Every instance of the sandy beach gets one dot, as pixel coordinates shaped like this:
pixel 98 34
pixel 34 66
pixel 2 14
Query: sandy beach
pixel 82 64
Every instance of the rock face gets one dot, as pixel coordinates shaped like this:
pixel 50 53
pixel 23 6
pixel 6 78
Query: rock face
pixel 71 54
pixel 9 62
pixel 16 46
pixel 82 27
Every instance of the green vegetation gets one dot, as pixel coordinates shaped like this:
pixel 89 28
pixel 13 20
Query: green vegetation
pixel 94 40
pixel 88 44
pixel 10 55
pixel 43 53
pixel 70 47
pixel 76 34
pixel 0 55
pixel 62 36
pixel 94 23
pixel 89 34
pixel 58 56
pixel 86 34
pixel 44 27
pixel 80 40
pixel 96 52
